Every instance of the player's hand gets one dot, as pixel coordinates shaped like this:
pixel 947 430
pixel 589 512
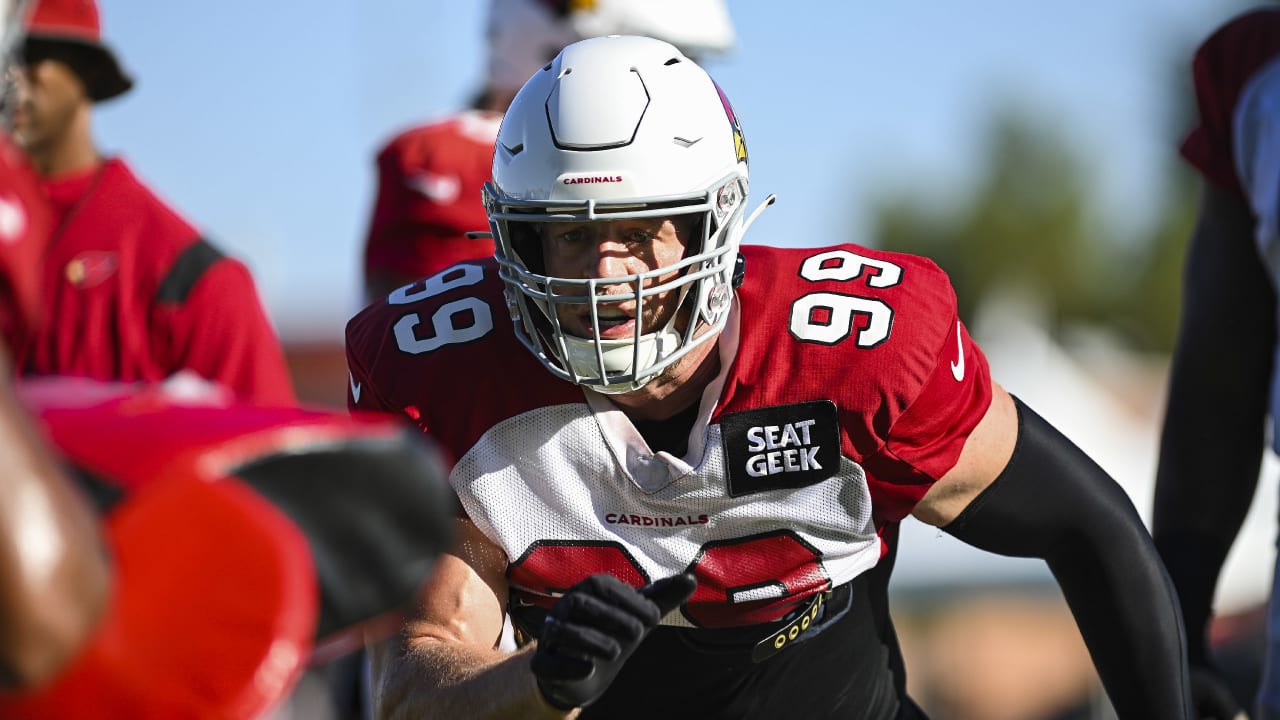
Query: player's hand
pixel 1212 698
pixel 594 628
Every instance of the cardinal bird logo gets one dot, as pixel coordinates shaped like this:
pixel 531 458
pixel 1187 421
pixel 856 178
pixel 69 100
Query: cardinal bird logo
pixel 739 145
pixel 90 268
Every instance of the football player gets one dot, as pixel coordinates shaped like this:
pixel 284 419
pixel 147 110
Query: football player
pixel 683 463
pixel 1215 423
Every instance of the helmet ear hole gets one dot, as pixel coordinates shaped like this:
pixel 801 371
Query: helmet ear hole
pixel 526 241
pixel 690 227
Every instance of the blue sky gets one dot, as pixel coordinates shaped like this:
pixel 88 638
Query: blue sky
pixel 259 120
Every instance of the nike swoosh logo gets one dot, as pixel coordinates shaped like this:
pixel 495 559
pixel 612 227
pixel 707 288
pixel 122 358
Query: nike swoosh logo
pixel 957 367
pixel 355 388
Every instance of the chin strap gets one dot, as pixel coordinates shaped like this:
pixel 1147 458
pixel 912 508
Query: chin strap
pixel 740 264
pixel 618 358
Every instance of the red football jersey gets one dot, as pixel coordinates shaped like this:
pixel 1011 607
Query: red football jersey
pixel 1223 68
pixel 848 387
pixel 429 183
pixel 132 293
pixel 25 222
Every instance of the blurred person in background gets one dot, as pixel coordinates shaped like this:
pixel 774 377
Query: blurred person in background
pixel 430 176
pixel 134 514
pixel 686 488
pixel 131 292
pixel 1223 377
pixel 103 562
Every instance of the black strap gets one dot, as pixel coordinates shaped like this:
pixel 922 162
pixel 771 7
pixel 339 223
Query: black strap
pixel 778 639
pixel 840 670
pixel 186 271
pixel 759 642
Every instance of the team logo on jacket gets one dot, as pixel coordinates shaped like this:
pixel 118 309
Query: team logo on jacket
pixel 13 220
pixel 440 189
pixel 785 446
pixel 90 268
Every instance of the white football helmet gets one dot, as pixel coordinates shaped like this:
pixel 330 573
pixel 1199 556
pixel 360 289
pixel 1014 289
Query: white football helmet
pixel 618 127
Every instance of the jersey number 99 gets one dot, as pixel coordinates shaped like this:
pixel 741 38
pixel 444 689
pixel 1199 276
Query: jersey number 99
pixel 827 318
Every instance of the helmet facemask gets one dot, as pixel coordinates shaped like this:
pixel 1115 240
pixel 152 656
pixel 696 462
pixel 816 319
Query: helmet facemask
pixel 701 279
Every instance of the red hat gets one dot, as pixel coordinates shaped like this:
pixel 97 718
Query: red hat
pixel 76 22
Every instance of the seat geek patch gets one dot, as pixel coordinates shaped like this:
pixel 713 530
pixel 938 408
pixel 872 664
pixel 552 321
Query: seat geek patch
pixel 785 446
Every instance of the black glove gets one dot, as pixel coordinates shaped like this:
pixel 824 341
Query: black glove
pixel 594 628
pixel 1212 699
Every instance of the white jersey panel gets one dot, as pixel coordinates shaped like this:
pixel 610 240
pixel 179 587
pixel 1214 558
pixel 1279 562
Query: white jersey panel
pixel 550 476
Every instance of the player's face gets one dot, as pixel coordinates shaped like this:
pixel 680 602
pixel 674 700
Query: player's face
pixel 49 94
pixel 615 249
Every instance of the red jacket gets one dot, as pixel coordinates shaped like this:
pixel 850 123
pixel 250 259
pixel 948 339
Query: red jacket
pixel 133 293
pixel 24 228
pixel 429 181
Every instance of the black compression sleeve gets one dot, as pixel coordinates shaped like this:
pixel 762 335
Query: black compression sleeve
pixel 1053 502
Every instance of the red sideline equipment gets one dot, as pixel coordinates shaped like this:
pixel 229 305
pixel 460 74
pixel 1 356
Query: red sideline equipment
pixel 217 602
